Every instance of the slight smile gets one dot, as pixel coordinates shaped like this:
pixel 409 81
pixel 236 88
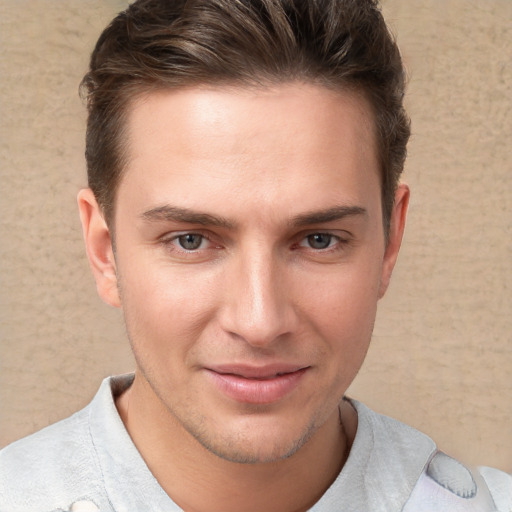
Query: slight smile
pixel 256 385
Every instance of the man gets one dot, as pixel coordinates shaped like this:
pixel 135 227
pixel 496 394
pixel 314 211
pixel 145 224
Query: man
pixel 245 212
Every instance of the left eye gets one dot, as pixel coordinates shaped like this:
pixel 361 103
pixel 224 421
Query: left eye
pixel 190 241
pixel 319 240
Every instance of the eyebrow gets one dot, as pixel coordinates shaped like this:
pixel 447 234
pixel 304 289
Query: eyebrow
pixel 169 213
pixel 176 214
pixel 329 215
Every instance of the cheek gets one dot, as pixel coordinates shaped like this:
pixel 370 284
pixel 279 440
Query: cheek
pixel 342 307
pixel 165 308
pixel 342 294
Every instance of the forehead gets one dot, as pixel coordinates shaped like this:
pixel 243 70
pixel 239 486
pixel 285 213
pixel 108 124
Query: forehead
pixel 257 143
pixel 296 110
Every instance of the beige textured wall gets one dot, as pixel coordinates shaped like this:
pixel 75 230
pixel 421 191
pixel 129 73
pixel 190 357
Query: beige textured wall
pixel 441 358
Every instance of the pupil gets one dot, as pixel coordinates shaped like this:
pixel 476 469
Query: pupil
pixel 319 241
pixel 190 241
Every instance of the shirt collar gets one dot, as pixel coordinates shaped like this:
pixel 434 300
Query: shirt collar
pixel 384 464
pixel 129 483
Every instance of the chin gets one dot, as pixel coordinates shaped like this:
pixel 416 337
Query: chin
pixel 258 446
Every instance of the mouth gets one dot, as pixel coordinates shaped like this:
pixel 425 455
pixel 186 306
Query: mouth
pixel 256 385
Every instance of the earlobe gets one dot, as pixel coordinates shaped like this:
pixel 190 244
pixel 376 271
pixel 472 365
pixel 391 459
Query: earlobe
pixel 99 248
pixel 396 232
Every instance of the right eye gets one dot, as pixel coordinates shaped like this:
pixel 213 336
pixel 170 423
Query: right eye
pixel 190 241
pixel 190 246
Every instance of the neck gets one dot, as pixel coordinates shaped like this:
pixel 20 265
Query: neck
pixel 200 481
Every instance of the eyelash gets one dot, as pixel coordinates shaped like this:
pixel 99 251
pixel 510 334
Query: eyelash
pixel 171 242
pixel 335 242
pixel 338 241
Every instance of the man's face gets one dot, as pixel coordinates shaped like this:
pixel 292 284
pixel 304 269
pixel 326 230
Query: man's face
pixel 250 257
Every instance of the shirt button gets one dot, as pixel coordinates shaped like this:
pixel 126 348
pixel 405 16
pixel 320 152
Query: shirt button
pixel 83 506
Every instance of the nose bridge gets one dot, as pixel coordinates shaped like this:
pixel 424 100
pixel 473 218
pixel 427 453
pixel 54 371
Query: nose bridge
pixel 258 308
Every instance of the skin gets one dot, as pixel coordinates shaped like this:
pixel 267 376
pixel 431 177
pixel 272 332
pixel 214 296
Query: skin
pixel 285 263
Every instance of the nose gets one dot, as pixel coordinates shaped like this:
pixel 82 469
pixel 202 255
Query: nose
pixel 258 305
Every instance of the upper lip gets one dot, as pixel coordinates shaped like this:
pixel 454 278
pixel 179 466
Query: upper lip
pixel 256 372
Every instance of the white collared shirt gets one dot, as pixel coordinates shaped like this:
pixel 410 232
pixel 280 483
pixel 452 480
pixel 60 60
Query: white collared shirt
pixel 88 462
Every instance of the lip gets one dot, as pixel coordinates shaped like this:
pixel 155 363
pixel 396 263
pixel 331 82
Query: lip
pixel 256 384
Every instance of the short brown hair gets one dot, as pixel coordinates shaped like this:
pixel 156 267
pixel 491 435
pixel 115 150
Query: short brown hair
pixel 155 44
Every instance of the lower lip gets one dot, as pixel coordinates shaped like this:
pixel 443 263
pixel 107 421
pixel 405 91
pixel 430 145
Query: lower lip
pixel 257 391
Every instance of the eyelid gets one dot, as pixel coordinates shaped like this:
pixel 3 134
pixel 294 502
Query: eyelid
pixel 168 240
pixel 321 233
pixel 342 240
pixel 340 234
pixel 333 238
pixel 173 235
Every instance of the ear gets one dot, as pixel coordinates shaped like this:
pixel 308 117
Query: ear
pixel 396 232
pixel 98 245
